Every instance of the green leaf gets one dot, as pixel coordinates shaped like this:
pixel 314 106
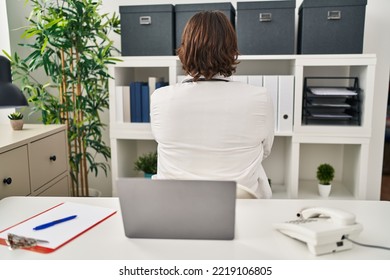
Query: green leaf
pixel 30 33
pixel 44 45
pixel 52 23
pixel 7 55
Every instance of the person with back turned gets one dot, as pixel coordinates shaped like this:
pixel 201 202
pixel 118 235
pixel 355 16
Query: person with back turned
pixel 209 127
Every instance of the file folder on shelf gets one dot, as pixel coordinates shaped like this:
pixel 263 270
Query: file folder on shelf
pixel 123 104
pixel 240 78
pixel 270 82
pixel 136 101
pixel 126 104
pixel 285 103
pixel 145 103
pixel 255 80
pixel 119 104
pixel 332 105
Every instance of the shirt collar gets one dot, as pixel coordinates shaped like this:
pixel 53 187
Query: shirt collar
pixel 189 78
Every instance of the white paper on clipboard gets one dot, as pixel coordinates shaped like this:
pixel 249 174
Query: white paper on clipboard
pixel 88 216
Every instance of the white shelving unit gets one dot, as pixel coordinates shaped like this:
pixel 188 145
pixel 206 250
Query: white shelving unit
pixel 295 155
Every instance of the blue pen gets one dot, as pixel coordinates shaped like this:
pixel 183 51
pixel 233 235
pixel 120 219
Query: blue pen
pixel 53 223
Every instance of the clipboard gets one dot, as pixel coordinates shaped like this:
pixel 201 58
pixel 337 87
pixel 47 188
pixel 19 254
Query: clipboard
pixel 88 216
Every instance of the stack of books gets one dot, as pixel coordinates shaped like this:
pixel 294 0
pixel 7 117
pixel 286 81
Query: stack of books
pixel 136 99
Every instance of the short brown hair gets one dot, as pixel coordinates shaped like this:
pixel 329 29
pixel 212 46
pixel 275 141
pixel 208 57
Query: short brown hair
pixel 208 46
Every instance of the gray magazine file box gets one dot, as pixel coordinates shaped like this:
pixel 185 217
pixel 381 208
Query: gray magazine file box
pixel 147 30
pixel 183 12
pixel 266 27
pixel 331 27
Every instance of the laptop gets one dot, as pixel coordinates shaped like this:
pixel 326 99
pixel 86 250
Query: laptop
pixel 177 209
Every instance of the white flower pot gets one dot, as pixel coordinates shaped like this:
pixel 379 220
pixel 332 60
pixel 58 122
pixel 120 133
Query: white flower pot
pixel 17 124
pixel 94 192
pixel 324 190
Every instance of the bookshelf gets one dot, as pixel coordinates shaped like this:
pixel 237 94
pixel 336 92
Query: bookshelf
pixel 297 153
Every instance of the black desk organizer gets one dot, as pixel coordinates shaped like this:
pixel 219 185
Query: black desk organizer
pixel 343 108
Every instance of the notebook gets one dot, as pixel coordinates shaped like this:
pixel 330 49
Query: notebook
pixel 177 209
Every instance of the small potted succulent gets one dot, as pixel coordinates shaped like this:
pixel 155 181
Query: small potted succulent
pixel 16 119
pixel 147 163
pixel 325 175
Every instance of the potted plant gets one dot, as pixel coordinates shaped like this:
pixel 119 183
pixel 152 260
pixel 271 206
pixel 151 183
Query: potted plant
pixel 69 41
pixel 16 119
pixel 147 163
pixel 325 175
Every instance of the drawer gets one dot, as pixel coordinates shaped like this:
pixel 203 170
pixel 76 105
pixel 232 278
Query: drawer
pixel 58 188
pixel 48 159
pixel 14 174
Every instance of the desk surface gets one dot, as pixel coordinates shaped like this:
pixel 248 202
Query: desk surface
pixel 255 237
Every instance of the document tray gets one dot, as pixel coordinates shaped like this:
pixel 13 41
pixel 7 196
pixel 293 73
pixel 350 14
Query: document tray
pixel 331 104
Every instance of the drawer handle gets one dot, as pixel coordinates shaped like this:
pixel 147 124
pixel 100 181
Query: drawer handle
pixel 7 181
pixel 334 15
pixel 265 17
pixel 145 20
pixel 53 158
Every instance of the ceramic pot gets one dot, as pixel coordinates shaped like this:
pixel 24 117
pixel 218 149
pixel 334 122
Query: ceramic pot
pixel 17 124
pixel 148 175
pixel 94 192
pixel 324 190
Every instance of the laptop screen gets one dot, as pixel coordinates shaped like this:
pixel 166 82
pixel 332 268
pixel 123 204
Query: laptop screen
pixel 177 209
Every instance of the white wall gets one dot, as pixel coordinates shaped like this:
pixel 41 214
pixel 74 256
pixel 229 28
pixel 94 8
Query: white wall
pixel 4 31
pixel 376 40
pixel 4 45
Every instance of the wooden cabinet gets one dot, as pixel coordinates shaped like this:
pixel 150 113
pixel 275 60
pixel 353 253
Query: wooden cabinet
pixel 14 174
pixel 49 159
pixel 296 154
pixel 34 161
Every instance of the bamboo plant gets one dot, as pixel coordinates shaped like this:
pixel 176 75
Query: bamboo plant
pixel 69 40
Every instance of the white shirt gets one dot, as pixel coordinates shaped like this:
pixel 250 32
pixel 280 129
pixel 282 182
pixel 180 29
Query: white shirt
pixel 214 130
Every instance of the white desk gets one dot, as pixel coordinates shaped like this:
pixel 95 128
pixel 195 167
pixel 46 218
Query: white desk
pixel 255 237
